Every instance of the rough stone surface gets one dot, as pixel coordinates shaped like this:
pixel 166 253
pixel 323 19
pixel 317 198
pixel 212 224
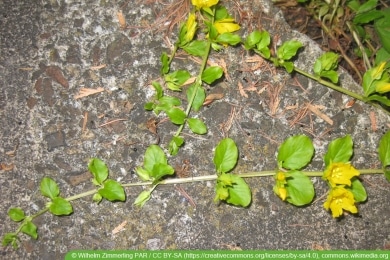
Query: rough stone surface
pixel 47 51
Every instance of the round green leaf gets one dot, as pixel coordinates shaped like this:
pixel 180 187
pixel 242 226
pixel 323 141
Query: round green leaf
pixel 288 65
pixel 112 191
pixel 176 115
pixel 220 12
pixel 384 153
pixel 196 48
pixel 159 90
pixel 210 74
pixel 16 214
pixel 228 38
pixel 60 207
pixel 142 198
pixel 233 189
pixel 174 144
pixel 165 103
pixel 295 152
pixel 200 96
pixel 149 106
pixel 339 150
pixel 239 192
pixel 226 155
pixel 197 126
pixel 252 39
pixel 97 198
pixel 49 188
pixel 154 155
pixel 300 189
pixel 288 49
pixel 164 63
pixel 358 190
pixel 326 62
pixel 143 174
pixel 384 149
pixel 265 40
pixel 10 238
pixel 176 79
pixel 30 229
pixel 160 170
pixel 332 75
pixel 98 169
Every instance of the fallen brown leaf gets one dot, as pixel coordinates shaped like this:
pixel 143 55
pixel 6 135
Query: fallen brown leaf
pixel 121 19
pixel 151 125
pixel 119 228
pixel 7 167
pixel 55 73
pixel 350 103
pixel 88 91
pixel 189 81
pixel 210 98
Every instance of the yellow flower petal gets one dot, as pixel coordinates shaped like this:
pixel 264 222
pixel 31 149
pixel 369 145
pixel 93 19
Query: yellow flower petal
pixel 340 174
pixel 281 176
pixel 204 3
pixel 376 72
pixel 283 193
pixel 340 199
pixel 382 87
pixel 226 25
pixel 191 27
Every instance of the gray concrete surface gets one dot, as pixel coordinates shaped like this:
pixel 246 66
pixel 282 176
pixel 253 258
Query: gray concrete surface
pixel 47 51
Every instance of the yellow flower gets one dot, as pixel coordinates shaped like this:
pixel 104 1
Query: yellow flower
pixel 279 187
pixel 204 3
pixel 191 27
pixel 340 173
pixel 382 87
pixel 280 176
pixel 282 193
pixel 226 25
pixel 378 70
pixel 338 199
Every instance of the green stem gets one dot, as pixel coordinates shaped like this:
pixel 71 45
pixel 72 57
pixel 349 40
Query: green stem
pixel 243 175
pixel 82 195
pixel 371 171
pixel 195 179
pixel 42 211
pixel 198 82
pixel 340 89
pixel 330 85
pixel 173 53
pixel 204 178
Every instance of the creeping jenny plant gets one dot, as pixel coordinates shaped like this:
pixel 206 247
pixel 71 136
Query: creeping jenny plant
pixel 219 28
pixel 292 183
